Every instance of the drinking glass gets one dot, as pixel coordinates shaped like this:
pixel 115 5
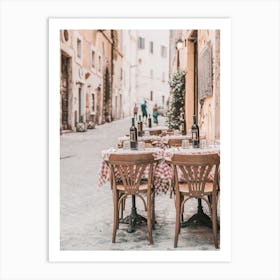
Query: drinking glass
pixel 217 143
pixel 185 144
pixel 203 144
pixel 141 145
pixel 126 145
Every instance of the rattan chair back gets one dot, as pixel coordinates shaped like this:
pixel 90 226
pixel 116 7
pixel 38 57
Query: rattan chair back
pixel 130 168
pixel 195 172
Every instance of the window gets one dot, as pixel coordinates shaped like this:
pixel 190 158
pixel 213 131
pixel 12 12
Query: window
pixel 163 51
pixel 66 35
pixel 163 100
pixel 103 48
pixel 121 74
pixel 151 95
pixel 93 59
pixel 151 47
pixel 141 43
pixel 79 48
pixel 152 73
pixel 163 77
pixel 99 63
pixel 93 102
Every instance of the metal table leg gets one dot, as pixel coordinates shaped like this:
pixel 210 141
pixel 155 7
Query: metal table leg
pixel 133 219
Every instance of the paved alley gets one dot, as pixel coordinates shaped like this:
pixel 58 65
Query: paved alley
pixel 87 210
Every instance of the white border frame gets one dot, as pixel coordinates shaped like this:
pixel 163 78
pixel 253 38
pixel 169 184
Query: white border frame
pixel 55 254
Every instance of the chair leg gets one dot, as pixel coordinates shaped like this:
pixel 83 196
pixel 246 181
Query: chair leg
pixel 116 215
pixel 177 222
pixel 215 225
pixel 149 219
pixel 121 208
pixel 153 210
pixel 181 213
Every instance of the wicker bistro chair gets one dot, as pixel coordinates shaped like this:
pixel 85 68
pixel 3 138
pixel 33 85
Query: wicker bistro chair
pixel 170 132
pixel 196 183
pixel 155 132
pixel 127 172
pixel 174 143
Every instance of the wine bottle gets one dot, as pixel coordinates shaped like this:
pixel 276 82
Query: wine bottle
pixel 140 127
pixel 149 121
pixel 184 128
pixel 195 133
pixel 133 136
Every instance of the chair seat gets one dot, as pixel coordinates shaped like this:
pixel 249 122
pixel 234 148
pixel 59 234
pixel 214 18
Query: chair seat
pixel 184 188
pixel 142 188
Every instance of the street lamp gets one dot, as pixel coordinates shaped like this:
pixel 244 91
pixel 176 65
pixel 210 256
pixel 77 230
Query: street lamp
pixel 179 46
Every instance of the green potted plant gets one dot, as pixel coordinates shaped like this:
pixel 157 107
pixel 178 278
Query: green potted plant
pixel 176 102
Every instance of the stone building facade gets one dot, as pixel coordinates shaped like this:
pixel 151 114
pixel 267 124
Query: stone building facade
pixel 105 72
pixel 199 56
pixel 152 68
pixel 89 61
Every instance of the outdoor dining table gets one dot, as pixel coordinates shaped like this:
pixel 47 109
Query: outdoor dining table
pixel 162 175
pixel 144 138
pixel 178 136
pixel 156 140
pixel 153 128
pixel 200 217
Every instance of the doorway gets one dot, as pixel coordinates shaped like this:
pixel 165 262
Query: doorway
pixel 107 96
pixel 64 92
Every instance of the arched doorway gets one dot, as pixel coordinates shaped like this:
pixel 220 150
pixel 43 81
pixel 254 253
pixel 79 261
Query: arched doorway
pixel 107 96
pixel 64 92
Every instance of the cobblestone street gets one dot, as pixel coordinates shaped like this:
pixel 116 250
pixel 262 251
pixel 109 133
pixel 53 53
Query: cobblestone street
pixel 87 210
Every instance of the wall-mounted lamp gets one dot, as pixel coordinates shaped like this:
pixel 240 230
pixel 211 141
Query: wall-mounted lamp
pixel 179 44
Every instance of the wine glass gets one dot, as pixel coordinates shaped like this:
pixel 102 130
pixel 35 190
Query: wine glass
pixel 141 145
pixel 185 144
pixel 126 145
pixel 203 143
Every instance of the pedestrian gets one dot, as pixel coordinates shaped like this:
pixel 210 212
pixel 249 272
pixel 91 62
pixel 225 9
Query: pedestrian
pixel 144 111
pixel 135 111
pixel 155 114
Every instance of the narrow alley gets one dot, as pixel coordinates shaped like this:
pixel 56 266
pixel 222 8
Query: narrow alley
pixel 87 210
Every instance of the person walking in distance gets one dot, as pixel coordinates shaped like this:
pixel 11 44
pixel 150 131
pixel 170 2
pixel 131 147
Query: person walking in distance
pixel 144 111
pixel 135 111
pixel 155 114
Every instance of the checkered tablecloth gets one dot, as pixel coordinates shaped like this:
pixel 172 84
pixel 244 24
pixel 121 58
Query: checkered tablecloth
pixel 163 172
pixel 161 175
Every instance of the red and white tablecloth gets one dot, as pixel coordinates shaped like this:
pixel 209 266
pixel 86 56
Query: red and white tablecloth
pixel 163 172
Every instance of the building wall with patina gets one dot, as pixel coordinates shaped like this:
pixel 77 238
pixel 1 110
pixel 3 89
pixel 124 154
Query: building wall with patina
pixel 200 58
pixel 152 68
pixel 129 50
pixel 209 106
pixel 86 78
pixel 117 72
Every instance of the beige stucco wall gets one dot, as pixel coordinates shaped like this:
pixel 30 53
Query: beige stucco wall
pixel 209 108
pixel 189 101
pixel 85 74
